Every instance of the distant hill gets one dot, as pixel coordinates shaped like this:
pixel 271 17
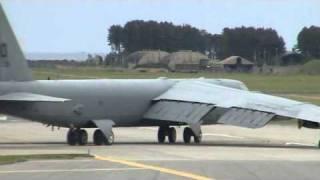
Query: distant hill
pixel 77 56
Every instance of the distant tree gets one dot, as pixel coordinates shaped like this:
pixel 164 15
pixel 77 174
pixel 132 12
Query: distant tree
pixel 309 41
pixel 139 35
pixel 260 45
pixel 214 45
pixel 115 37
pixel 98 59
pixel 110 59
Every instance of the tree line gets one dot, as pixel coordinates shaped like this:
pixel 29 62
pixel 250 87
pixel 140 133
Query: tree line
pixel 138 35
pixel 309 42
pixel 262 45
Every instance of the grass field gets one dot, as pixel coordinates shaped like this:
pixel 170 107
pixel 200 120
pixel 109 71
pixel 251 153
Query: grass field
pixel 296 86
pixel 21 158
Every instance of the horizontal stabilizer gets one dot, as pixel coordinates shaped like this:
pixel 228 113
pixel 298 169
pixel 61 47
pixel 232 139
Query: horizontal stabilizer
pixel 30 97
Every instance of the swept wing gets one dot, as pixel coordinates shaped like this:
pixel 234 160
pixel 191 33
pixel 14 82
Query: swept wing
pixel 191 102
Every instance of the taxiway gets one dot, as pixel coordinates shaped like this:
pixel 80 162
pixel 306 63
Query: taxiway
pixel 273 152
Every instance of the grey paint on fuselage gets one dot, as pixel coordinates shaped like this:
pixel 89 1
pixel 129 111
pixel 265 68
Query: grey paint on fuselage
pixel 123 101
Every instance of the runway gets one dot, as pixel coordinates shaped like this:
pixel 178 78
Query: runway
pixel 274 152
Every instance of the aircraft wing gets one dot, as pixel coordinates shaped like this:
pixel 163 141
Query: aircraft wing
pixel 30 97
pixel 190 102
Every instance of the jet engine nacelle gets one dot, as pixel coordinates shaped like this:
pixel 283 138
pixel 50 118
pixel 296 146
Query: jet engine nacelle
pixel 308 124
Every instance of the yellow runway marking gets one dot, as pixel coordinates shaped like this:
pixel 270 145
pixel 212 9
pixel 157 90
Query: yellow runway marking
pixel 154 168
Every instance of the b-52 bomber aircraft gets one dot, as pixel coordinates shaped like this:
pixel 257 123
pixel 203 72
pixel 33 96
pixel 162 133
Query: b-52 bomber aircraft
pixel 108 103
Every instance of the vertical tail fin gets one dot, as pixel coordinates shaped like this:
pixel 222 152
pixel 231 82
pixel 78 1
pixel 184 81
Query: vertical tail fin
pixel 13 65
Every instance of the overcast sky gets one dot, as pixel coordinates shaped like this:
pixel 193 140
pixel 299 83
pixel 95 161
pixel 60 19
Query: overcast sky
pixel 82 25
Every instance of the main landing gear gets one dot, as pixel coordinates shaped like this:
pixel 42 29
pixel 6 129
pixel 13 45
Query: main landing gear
pixel 100 139
pixel 80 137
pixel 77 136
pixel 170 132
pixel 188 134
pixel 167 131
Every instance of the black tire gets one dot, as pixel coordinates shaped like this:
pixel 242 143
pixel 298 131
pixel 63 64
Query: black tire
pixel 83 137
pixel 198 139
pixel 161 134
pixel 109 140
pixel 172 135
pixel 187 133
pixel 98 137
pixel 72 137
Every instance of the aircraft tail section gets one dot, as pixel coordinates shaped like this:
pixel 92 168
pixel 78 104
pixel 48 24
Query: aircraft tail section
pixel 13 65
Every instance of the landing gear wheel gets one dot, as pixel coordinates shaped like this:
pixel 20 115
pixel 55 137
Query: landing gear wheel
pixel 110 139
pixel 187 133
pixel 161 134
pixel 83 137
pixel 100 139
pixel 198 139
pixel 172 135
pixel 72 137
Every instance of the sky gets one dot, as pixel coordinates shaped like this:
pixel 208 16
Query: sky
pixel 66 26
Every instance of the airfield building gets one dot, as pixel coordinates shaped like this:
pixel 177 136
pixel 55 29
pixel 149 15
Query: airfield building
pixel 146 58
pixel 291 58
pixel 237 64
pixel 186 61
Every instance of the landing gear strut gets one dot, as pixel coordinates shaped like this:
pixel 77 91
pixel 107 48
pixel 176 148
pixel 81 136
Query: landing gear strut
pixel 188 133
pixel 100 139
pixel 167 131
pixel 77 136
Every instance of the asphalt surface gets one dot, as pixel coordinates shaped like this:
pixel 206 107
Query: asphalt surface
pixel 274 152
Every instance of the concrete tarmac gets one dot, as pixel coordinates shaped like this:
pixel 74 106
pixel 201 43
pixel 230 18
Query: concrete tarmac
pixel 273 152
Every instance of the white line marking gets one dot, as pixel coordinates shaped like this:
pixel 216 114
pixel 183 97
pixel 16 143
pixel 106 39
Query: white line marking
pixel 223 135
pixel 68 170
pixel 296 143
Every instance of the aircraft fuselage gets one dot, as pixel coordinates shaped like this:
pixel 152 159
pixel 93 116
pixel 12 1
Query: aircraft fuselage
pixel 123 101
